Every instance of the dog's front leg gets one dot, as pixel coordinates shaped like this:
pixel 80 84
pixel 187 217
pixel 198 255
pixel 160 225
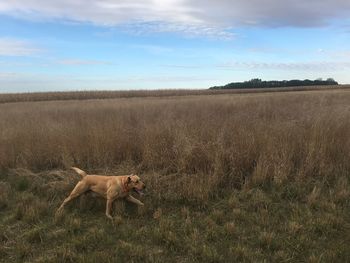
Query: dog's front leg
pixel 134 200
pixel 109 208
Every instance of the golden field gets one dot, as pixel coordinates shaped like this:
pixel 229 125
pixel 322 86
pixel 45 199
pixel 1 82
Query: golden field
pixel 232 177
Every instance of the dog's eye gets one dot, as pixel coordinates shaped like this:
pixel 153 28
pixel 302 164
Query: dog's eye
pixel 136 181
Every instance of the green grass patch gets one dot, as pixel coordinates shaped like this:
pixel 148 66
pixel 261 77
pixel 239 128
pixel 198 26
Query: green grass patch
pixel 275 223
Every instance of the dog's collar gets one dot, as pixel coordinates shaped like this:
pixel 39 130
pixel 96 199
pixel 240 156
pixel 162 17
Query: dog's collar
pixel 125 185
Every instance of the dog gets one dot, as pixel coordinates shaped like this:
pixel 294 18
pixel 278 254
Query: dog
pixel 109 187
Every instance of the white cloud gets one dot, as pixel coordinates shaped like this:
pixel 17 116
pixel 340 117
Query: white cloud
pixel 337 54
pixel 106 12
pixel 187 29
pixel 79 62
pixel 25 82
pixel 191 17
pixel 8 75
pixel 287 66
pixel 153 49
pixel 15 47
pixel 183 66
pixel 166 78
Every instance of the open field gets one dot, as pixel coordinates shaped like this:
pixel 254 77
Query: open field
pixel 88 95
pixel 231 178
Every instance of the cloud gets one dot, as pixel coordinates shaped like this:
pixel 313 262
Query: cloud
pixel 11 82
pixel 167 78
pixel 337 54
pixel 190 17
pixel 153 49
pixel 182 66
pixel 286 66
pixel 187 29
pixel 273 13
pixel 15 47
pixel 8 75
pixel 81 62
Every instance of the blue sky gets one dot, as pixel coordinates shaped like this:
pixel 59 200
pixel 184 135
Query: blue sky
pixel 169 44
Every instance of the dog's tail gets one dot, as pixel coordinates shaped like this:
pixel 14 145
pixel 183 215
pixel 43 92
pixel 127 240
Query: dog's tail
pixel 79 171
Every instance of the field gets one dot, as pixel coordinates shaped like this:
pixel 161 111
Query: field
pixel 238 177
pixel 86 95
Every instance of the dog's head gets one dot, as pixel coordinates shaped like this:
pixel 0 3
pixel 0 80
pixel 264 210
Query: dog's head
pixel 134 182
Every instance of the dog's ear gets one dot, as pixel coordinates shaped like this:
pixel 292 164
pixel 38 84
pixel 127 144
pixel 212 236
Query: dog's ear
pixel 129 179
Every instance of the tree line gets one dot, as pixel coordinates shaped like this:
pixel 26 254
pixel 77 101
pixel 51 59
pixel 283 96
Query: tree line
pixel 258 83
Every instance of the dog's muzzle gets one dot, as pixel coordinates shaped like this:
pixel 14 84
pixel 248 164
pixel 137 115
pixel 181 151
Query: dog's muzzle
pixel 140 191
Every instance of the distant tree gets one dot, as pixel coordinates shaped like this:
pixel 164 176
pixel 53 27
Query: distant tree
pixel 255 80
pixel 258 83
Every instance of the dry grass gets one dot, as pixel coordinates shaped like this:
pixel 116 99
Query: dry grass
pixel 238 137
pixel 250 177
pixel 88 95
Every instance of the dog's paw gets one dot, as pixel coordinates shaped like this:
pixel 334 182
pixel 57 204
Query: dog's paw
pixel 59 215
pixel 118 220
pixel 109 216
pixel 141 210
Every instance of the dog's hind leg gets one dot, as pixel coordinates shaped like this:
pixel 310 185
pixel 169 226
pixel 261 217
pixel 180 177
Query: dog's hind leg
pixel 79 189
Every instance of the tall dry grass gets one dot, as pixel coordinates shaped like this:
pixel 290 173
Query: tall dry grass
pixel 88 95
pixel 246 178
pixel 207 141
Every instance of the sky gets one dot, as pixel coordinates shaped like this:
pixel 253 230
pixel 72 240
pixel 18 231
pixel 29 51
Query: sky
pixel 62 45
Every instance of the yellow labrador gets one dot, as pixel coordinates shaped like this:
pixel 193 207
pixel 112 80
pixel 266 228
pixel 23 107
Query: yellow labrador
pixel 109 187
